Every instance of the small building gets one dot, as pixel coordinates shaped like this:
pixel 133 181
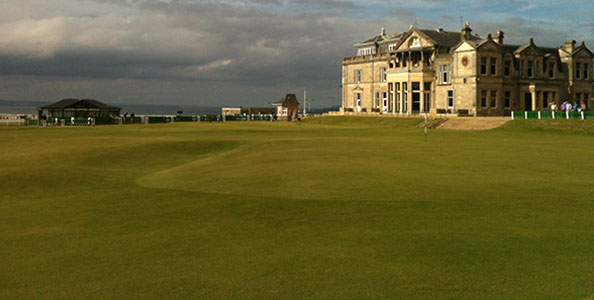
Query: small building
pixel 79 108
pixel 287 108
pixel 232 111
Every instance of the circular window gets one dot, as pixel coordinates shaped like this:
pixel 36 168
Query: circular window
pixel 465 61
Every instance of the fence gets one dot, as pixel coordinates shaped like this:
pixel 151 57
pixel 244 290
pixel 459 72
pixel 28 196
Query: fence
pixel 538 115
pixel 52 122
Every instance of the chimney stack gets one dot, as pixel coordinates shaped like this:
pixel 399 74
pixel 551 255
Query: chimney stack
pixel 383 31
pixel 466 31
pixel 498 38
pixel 569 46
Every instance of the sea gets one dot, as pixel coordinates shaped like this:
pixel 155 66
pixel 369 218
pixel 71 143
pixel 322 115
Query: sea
pixel 30 108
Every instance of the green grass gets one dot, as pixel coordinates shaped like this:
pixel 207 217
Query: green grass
pixel 329 208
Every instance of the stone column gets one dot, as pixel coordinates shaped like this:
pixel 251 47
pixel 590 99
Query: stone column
pixel 533 100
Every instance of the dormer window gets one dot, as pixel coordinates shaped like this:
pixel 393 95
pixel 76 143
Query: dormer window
pixel 530 69
pixel 551 70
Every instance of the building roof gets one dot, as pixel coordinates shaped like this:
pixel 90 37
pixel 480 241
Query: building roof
pixel 447 39
pixel 288 99
pixel 380 39
pixel 79 103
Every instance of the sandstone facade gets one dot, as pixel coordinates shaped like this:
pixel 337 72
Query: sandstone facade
pixel 437 71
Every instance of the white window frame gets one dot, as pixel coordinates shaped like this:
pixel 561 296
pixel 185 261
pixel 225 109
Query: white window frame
pixel 450 99
pixel 383 74
pixel 358 101
pixel 358 75
pixel 444 74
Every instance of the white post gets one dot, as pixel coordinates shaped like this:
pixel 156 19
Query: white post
pixel 526 115
pixel 583 115
pixel 539 115
pixel 304 102
pixel 512 115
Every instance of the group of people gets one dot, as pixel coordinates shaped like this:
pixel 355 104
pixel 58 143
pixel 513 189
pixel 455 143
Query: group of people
pixel 568 106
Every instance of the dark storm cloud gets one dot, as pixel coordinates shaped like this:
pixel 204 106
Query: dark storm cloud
pixel 264 47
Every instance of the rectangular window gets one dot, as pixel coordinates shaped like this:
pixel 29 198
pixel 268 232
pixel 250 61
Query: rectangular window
pixel 358 76
pixel 530 69
pixel 444 74
pixel 578 97
pixel 358 101
pixel 578 71
pixel 383 75
pixel 507 68
pixel 385 101
pixel 450 99
pixel 398 97
pixel 405 95
pixel 483 66
pixel 377 99
pixel 552 70
pixel 484 99
pixel 426 102
pixel 507 99
pixel 545 100
pixel 586 98
pixel 493 99
pixel 586 71
pixel 427 87
pixel 493 66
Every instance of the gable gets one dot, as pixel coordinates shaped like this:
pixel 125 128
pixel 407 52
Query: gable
pixel 489 45
pixel 583 52
pixel 415 40
pixel 464 46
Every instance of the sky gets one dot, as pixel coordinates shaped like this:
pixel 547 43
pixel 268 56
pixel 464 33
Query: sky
pixel 233 52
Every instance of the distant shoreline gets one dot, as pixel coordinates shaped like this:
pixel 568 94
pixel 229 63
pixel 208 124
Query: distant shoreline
pixel 30 108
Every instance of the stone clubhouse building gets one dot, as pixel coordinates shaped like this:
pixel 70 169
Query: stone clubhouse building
pixel 437 71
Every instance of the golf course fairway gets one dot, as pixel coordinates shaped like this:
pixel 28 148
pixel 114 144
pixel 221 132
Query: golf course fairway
pixel 326 208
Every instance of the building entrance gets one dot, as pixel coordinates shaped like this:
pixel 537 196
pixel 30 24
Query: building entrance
pixel 528 101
